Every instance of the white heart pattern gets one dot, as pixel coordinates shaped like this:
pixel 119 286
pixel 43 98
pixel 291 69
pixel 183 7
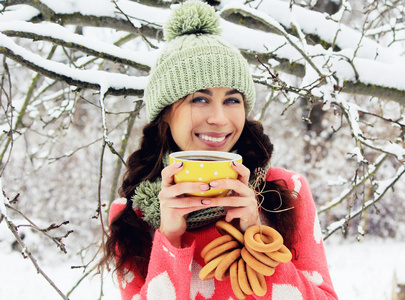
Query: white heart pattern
pixel 286 291
pixel 161 287
pixel 314 277
pixel 205 288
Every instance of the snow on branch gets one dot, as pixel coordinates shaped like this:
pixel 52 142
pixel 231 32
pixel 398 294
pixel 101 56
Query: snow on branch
pixel 59 35
pixel 382 188
pixel 356 183
pixel 118 84
pixel 4 205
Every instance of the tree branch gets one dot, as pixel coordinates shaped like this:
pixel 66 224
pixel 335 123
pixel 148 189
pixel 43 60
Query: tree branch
pixel 63 73
pixel 124 144
pixel 344 221
pixel 72 44
pixel 4 205
pixel 272 27
pixel 355 184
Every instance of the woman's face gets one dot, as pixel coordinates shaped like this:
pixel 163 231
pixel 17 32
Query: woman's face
pixel 210 119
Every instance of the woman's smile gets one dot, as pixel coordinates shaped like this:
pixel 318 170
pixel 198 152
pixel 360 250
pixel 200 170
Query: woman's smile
pixel 213 139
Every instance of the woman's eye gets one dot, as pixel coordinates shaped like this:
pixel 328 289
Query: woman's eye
pixel 232 100
pixel 199 100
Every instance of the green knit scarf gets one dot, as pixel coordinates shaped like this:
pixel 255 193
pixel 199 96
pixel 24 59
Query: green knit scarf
pixel 146 199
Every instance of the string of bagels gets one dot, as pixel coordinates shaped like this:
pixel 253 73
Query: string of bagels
pixel 245 258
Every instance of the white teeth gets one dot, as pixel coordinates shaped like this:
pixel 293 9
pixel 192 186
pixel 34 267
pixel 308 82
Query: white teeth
pixel 212 139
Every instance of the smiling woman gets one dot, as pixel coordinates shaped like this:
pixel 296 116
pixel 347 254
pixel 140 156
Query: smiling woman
pixel 199 95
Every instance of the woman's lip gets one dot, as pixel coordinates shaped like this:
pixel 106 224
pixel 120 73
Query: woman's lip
pixel 214 134
pixel 213 139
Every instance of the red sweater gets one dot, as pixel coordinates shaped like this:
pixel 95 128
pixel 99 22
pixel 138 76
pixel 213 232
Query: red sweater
pixel 173 273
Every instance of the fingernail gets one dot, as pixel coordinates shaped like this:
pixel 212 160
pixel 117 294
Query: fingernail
pixel 205 201
pixel 178 164
pixel 205 187
pixel 213 184
pixel 234 164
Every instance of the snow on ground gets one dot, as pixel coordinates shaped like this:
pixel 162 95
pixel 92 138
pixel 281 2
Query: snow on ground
pixel 359 270
pixel 19 280
pixel 365 270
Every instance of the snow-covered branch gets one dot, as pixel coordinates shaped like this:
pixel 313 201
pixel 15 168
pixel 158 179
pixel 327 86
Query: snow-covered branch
pixel 119 84
pixel 356 183
pixel 4 206
pixel 382 188
pixel 59 35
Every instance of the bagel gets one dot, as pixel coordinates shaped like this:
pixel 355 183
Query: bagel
pixel 224 248
pixel 208 271
pixel 260 245
pixel 215 243
pixel 262 257
pixel 282 255
pixel 222 270
pixel 233 274
pixel 257 281
pixel 256 265
pixel 227 228
pixel 242 278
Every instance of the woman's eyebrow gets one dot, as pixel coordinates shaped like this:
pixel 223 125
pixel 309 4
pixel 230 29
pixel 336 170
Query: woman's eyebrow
pixel 205 91
pixel 231 92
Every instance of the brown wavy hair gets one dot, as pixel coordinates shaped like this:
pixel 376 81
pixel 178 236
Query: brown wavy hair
pixel 129 241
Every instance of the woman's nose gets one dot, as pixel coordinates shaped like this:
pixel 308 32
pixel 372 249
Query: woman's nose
pixel 217 116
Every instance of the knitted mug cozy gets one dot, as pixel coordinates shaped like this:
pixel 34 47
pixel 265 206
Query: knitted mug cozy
pixel 194 58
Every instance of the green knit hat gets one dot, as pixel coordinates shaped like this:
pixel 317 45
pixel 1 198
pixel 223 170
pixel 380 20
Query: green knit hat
pixel 195 57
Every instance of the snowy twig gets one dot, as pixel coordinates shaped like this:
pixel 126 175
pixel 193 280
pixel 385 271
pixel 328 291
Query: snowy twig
pixel 28 254
pixel 25 251
pixel 44 231
pixel 277 84
pixel 124 144
pixel 356 182
pixel 8 111
pixel 106 139
pixel 351 112
pixel 380 193
pixel 139 30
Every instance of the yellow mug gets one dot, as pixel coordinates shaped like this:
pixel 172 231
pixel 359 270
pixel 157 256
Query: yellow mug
pixel 205 166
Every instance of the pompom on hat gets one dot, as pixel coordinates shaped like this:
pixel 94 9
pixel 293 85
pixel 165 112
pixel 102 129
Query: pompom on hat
pixel 194 58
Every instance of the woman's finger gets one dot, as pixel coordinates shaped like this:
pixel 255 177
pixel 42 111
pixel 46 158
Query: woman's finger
pixel 230 201
pixel 179 189
pixel 244 173
pixel 169 172
pixel 187 202
pixel 237 186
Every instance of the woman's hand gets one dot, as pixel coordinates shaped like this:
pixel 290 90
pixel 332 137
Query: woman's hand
pixel 175 206
pixel 240 204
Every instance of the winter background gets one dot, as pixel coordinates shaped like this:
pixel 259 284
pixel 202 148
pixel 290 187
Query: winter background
pixel 334 113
